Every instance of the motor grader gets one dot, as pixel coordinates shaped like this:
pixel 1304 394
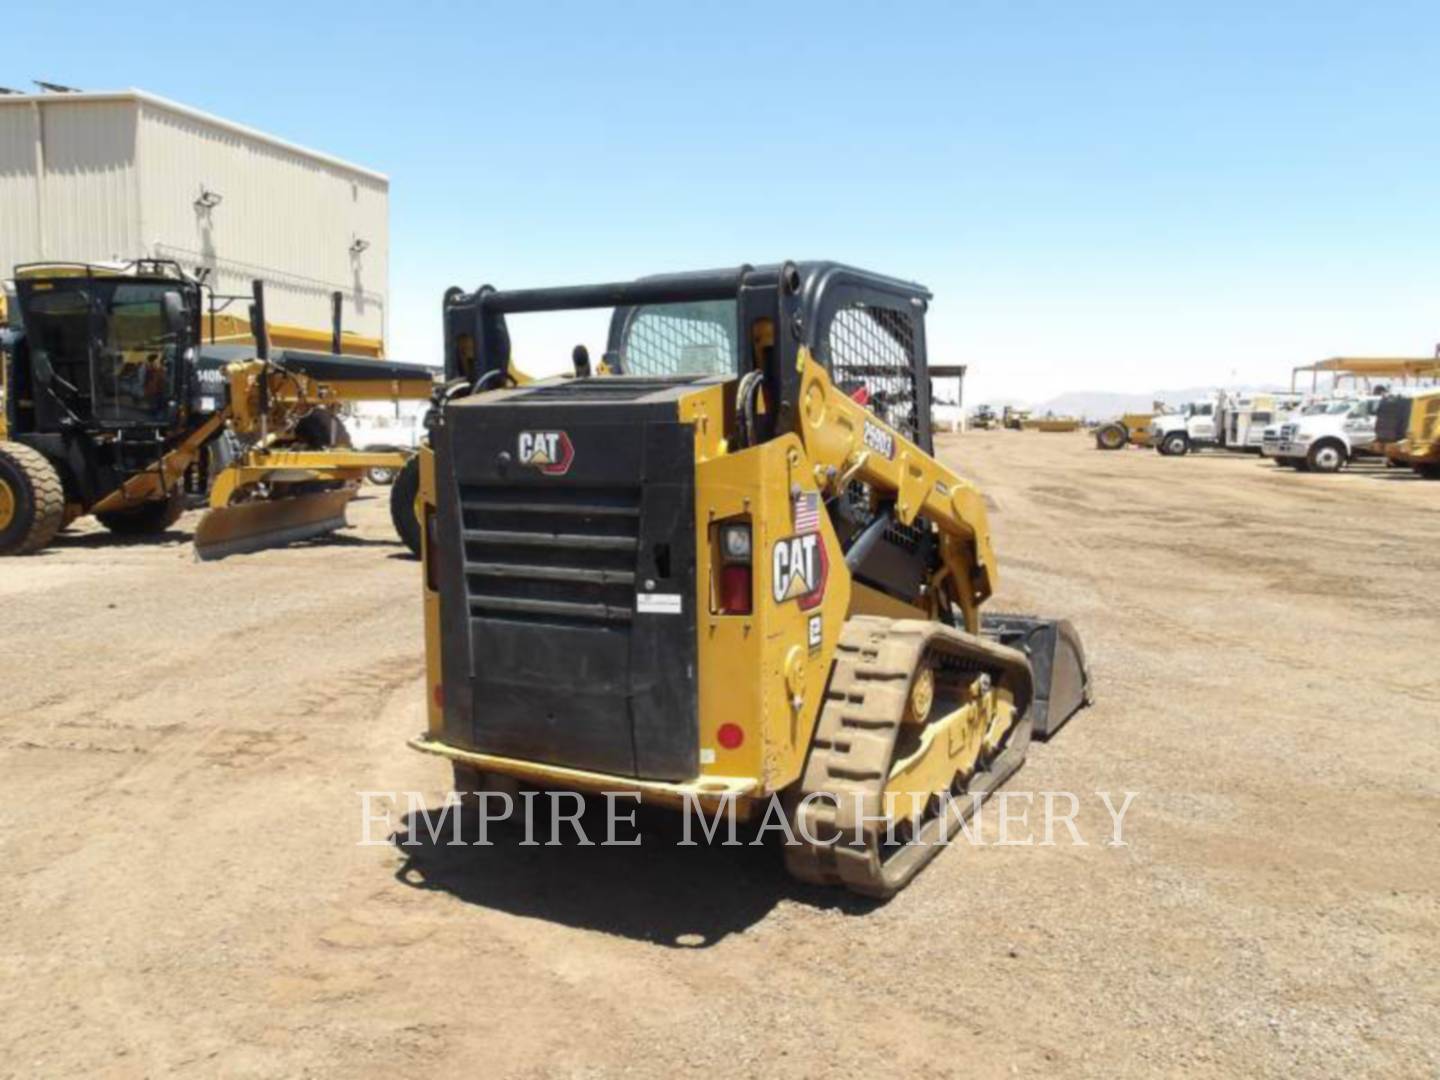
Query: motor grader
pixel 726 569
pixel 117 406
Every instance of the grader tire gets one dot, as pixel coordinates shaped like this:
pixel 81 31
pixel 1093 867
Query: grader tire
pixel 147 519
pixel 321 429
pixel 1111 437
pixel 32 500
pixel 402 505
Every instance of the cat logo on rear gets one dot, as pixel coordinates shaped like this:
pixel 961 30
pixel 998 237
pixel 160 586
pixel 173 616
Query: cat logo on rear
pixel 798 570
pixel 549 451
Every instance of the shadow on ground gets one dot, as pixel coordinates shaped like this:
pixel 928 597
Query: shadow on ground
pixel 103 538
pixel 657 891
pixel 1404 476
pixel 343 539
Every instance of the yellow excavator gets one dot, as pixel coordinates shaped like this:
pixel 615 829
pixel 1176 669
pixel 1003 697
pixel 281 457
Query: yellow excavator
pixel 117 405
pixel 726 570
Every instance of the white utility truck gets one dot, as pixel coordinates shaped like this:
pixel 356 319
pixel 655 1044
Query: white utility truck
pixel 1222 421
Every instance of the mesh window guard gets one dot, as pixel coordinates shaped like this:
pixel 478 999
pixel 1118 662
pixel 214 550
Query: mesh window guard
pixel 872 358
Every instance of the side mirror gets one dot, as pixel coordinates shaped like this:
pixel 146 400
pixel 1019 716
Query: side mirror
pixel 173 309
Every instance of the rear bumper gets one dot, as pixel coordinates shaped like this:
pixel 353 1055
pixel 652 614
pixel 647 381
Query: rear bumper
pixel 708 791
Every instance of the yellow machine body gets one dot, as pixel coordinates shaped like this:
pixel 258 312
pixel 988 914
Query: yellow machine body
pixel 1420 448
pixel 1054 424
pixel 782 703
pixel 813 629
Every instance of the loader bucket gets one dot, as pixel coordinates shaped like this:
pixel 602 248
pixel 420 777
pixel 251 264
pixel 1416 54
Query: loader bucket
pixel 267 523
pixel 1062 681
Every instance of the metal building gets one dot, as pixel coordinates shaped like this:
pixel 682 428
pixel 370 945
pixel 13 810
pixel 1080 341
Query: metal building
pixel 95 177
pixel 947 396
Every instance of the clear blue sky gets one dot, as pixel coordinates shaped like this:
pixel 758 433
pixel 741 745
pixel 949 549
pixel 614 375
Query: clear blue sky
pixel 1121 196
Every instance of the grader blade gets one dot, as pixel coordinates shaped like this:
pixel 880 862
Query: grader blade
pixel 267 523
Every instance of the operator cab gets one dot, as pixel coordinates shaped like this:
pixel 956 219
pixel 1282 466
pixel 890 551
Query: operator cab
pixel 104 351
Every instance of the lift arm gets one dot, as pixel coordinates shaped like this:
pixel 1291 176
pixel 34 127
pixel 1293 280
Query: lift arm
pixel 846 442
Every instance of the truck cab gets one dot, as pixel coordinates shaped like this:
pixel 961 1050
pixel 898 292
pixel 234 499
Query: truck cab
pixel 1328 436
pixel 1195 425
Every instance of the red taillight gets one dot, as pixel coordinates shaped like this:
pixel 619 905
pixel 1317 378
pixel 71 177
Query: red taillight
pixel 735 589
pixel 730 736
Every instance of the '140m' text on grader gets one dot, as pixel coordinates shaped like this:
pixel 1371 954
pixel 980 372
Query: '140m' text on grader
pixel 725 564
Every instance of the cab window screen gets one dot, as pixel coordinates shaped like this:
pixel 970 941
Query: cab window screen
pixel 872 358
pixel 681 339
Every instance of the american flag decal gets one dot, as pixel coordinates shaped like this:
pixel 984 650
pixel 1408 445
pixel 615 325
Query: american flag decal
pixel 807 512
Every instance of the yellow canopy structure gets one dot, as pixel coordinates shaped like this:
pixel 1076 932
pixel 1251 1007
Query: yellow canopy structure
pixel 1370 367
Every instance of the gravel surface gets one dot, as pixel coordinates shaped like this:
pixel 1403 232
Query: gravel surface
pixel 182 745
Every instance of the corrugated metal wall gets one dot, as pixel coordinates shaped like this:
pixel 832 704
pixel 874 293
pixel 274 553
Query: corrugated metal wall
pixel 283 216
pixel 19 215
pixel 120 177
pixel 85 207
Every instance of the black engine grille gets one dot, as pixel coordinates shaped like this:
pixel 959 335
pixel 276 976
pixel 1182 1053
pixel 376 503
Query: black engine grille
pixel 548 555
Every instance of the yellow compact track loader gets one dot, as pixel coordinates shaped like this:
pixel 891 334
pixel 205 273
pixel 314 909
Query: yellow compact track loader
pixel 116 405
pixel 728 574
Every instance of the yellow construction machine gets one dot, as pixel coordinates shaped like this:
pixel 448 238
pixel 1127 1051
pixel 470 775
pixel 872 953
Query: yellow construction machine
pixel 118 407
pixel 1013 418
pixel 1053 424
pixel 1407 428
pixel 1130 429
pixel 729 574
pixel 984 419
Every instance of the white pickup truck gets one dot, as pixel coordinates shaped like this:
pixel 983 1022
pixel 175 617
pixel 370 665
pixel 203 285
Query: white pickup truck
pixel 1326 436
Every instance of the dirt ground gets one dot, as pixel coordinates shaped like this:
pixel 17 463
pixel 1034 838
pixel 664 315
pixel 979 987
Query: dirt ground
pixel 182 744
